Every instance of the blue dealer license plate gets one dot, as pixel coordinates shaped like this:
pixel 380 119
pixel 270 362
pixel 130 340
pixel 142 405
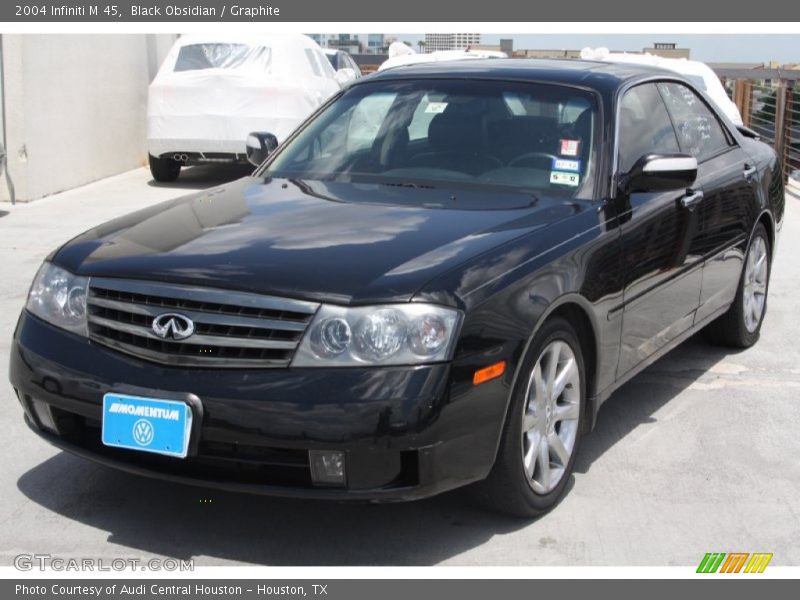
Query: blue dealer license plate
pixel 146 424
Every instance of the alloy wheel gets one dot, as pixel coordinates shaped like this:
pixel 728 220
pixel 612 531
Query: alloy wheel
pixel 755 283
pixel 552 412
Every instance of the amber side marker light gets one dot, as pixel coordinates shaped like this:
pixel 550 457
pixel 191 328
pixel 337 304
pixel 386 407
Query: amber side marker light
pixel 488 373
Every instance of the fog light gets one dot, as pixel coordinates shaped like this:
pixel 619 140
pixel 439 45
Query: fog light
pixel 327 467
pixel 43 415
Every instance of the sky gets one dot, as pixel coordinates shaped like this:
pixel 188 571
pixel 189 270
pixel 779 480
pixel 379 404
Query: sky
pixel 704 47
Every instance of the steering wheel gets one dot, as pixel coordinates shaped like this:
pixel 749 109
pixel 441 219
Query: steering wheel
pixel 493 158
pixel 529 155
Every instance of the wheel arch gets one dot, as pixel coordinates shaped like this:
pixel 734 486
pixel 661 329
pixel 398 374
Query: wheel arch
pixel 577 311
pixel 766 219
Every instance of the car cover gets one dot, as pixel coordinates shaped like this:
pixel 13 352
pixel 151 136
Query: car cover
pixel 401 55
pixel 700 74
pixel 212 90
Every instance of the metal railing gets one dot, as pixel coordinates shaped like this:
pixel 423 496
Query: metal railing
pixel 771 107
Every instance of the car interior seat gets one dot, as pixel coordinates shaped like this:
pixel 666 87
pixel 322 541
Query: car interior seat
pixel 456 140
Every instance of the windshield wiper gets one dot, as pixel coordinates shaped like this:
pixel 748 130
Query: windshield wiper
pixel 409 184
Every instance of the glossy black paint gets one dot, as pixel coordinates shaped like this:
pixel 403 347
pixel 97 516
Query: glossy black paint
pixel 636 273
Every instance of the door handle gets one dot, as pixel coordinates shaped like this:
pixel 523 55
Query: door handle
pixel 691 198
pixel 749 172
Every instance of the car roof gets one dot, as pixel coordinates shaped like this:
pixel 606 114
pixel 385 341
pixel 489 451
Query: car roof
pixel 595 74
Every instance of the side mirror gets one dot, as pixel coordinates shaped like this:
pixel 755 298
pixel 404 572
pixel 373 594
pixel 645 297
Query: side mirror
pixel 344 76
pixel 660 173
pixel 259 146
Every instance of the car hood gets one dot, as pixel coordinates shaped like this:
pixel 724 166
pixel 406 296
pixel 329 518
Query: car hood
pixel 338 242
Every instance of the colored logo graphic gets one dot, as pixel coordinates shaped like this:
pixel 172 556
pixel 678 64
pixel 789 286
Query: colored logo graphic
pixel 143 432
pixel 734 562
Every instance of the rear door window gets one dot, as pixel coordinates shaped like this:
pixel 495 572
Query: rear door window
pixel 699 131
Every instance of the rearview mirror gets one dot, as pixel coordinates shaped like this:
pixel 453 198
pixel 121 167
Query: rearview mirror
pixel 660 173
pixel 259 146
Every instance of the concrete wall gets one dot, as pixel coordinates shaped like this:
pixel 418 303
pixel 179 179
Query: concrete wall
pixel 75 108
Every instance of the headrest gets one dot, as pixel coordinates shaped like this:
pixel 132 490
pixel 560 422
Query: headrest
pixel 454 131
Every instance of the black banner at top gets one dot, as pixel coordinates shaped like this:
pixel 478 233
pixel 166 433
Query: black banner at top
pixel 422 11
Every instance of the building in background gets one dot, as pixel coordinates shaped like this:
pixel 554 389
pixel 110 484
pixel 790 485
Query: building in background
pixel 435 42
pixel 369 63
pixel 352 43
pixel 667 50
pixel 506 46
pixel 546 53
pixel 663 49
pixel 73 108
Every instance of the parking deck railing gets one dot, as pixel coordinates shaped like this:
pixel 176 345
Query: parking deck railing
pixel 769 102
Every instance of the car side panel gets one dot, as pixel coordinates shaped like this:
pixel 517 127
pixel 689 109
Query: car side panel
pixel 770 192
pixel 725 217
pixel 507 293
pixel 662 273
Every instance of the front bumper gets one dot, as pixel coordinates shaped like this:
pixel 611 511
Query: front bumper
pixel 407 432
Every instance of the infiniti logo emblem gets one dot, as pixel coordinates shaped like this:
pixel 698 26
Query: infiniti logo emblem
pixel 173 326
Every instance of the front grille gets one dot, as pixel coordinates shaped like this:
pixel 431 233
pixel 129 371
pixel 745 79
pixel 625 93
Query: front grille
pixel 232 329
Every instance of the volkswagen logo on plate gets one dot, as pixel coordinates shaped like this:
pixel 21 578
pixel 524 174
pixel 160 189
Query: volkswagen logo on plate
pixel 173 326
pixel 143 432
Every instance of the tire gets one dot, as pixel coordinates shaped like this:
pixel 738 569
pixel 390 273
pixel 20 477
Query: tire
pixel 164 169
pixel 740 326
pixel 510 488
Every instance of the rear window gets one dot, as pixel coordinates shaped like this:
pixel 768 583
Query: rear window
pixel 312 62
pixel 196 57
pixel 319 63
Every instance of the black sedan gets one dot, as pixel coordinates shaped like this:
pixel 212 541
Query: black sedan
pixel 436 281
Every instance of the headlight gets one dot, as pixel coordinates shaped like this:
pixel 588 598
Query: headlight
pixel 394 334
pixel 59 297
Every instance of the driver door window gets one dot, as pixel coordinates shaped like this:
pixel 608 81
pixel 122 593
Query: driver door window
pixel 662 278
pixel 644 126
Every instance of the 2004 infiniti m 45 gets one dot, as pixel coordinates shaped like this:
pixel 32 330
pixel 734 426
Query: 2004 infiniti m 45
pixel 436 281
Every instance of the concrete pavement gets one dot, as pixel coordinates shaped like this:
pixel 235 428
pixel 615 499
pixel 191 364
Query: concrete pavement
pixel 697 454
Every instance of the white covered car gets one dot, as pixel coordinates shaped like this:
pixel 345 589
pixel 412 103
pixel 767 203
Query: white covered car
pixel 698 73
pixel 212 90
pixel 401 54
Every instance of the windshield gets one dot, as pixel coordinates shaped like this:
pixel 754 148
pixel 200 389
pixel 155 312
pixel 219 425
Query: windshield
pixel 195 57
pixel 530 137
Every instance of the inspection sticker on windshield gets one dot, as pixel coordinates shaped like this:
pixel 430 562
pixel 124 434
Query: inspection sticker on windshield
pixel 566 164
pixel 435 107
pixel 570 147
pixel 564 178
pixel 146 424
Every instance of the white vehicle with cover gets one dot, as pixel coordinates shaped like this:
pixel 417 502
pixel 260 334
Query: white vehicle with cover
pixel 212 90
pixel 699 74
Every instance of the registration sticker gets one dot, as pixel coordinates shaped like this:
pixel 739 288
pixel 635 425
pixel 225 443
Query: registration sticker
pixel 570 147
pixel 565 178
pixel 566 164
pixel 435 107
